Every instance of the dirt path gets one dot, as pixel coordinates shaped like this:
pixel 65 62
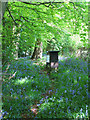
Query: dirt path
pixel 34 108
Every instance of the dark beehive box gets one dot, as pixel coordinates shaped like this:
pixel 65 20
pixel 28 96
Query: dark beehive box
pixel 53 59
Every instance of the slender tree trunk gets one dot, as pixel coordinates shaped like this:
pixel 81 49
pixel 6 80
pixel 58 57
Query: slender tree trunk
pixel 37 50
pixel 2 10
pixel 3 6
pixel 16 43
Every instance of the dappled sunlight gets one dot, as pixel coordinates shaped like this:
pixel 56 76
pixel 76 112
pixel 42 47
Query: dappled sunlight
pixel 21 81
pixel 67 71
pixel 45 59
pixel 40 94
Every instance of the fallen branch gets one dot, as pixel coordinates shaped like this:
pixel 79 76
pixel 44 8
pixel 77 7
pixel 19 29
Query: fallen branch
pixel 12 75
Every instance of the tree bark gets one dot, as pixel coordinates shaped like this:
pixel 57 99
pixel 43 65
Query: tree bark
pixel 37 50
pixel 3 6
pixel 2 10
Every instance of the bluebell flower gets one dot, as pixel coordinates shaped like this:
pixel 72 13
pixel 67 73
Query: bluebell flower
pixel 80 87
pixel 73 92
pixel 11 108
pixel 82 97
pixel 16 97
pixel 28 76
pixel 15 66
pixel 50 112
pixel 70 90
pixel 17 92
pixel 46 100
pixel 77 84
pixel 24 88
pixel 86 110
pixel 85 86
pixel 21 96
pixel 5 113
pixel 46 97
pixel 31 77
pixel 58 105
pixel 78 92
pixel 61 98
pixel 81 111
pixel 38 104
pixel 50 91
pixel 62 87
pixel 65 91
pixel 66 100
pixel 40 101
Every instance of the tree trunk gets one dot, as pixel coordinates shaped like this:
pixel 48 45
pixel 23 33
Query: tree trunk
pixel 37 50
pixel 3 6
pixel 2 10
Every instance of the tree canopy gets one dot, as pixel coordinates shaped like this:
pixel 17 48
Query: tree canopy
pixel 25 22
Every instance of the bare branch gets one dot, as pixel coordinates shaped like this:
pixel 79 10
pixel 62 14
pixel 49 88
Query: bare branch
pixel 11 16
pixel 73 5
pixel 25 18
pixel 31 9
pixel 39 3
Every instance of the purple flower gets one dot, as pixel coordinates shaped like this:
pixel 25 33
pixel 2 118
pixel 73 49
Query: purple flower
pixel 4 113
pixel 21 96
pixel 66 100
pixel 40 101
pixel 16 97
pixel 78 92
pixel 11 108
pixel 77 84
pixel 23 88
pixel 50 112
pixel 61 98
pixel 65 91
pixel 11 89
pixel 85 86
pixel 46 97
pixel 73 92
pixel 50 91
pixel 80 87
pixel 70 90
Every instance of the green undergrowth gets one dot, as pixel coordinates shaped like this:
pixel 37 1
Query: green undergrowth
pixel 31 80
pixel 24 88
pixel 71 90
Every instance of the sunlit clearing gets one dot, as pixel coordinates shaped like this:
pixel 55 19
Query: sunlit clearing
pixel 75 81
pixel 21 81
pixel 67 71
pixel 60 100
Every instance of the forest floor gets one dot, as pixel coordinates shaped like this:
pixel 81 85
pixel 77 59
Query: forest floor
pixel 31 91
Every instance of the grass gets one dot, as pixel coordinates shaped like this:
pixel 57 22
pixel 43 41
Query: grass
pixel 61 94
